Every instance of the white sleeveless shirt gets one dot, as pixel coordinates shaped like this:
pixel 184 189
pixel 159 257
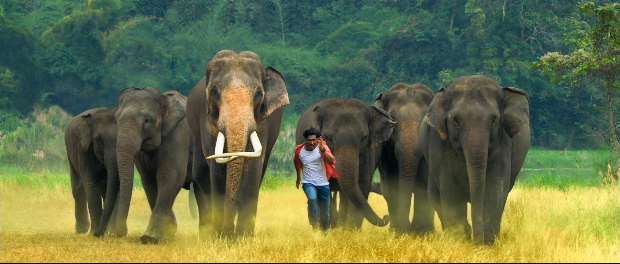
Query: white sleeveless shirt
pixel 314 168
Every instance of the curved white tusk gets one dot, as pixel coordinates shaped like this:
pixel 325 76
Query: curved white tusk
pixel 227 157
pixel 219 149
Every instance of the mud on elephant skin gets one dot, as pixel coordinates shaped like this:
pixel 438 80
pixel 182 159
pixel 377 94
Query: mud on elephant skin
pixel 152 133
pixel 236 108
pixel 475 137
pixel 90 140
pixel 351 129
pixel 403 169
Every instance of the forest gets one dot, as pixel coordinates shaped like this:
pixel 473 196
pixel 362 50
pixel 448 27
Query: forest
pixel 80 54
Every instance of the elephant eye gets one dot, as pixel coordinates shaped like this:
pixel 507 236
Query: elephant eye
pixel 456 122
pixel 259 94
pixel 146 120
pixel 494 122
pixel 214 94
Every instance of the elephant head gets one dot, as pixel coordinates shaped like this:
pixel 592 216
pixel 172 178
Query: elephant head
pixel 351 129
pixel 144 117
pixel 474 114
pixel 240 93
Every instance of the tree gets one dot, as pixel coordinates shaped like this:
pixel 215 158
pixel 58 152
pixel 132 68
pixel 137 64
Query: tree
pixel 597 58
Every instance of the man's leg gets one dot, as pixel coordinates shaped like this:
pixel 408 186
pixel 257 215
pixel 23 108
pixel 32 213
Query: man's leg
pixel 323 196
pixel 311 193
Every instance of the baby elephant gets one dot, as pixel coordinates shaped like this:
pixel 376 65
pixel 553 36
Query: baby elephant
pixel 90 139
pixel 475 137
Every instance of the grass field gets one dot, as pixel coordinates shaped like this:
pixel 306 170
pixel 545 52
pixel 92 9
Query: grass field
pixel 545 224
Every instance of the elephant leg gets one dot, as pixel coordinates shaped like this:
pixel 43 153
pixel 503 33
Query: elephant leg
pixel 344 211
pixel 389 188
pixel 218 192
pixel 93 194
pixel 149 183
pixel 163 223
pixel 204 215
pixel 202 191
pixel 82 222
pixel 246 221
pixel 112 228
pixel 423 213
pixel 434 197
pixel 333 210
pixel 497 185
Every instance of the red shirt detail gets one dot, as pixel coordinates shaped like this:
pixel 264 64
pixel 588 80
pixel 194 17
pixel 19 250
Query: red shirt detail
pixel 329 168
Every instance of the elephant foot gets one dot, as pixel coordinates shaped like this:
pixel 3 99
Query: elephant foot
pixel 149 239
pixel 423 229
pixel 98 234
pixel 82 228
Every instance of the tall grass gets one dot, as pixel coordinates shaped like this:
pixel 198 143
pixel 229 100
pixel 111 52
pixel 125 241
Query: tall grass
pixel 580 224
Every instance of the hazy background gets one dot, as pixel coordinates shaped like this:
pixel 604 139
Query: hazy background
pixel 79 54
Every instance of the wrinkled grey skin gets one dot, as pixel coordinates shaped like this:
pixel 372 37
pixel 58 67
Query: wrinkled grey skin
pixel 153 133
pixel 475 137
pixel 90 139
pixel 351 129
pixel 237 96
pixel 403 169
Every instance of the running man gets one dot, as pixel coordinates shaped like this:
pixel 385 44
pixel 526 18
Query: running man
pixel 316 161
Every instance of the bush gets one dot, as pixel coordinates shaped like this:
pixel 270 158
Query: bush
pixel 38 142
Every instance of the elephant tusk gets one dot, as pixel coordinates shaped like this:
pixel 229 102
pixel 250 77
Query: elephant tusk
pixel 219 149
pixel 221 157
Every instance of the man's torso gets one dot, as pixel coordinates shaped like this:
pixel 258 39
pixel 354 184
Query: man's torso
pixel 314 171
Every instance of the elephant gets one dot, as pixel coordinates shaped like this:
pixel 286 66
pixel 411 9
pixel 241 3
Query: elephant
pixel 401 164
pixel 236 106
pixel 475 136
pixel 351 129
pixel 154 135
pixel 90 140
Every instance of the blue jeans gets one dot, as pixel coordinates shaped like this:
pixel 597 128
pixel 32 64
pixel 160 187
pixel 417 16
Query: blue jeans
pixel 320 195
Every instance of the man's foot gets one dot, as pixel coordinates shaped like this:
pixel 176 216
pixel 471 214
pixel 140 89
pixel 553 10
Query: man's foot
pixel 315 227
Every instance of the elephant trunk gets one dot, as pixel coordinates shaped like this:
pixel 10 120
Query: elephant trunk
pixel 348 166
pixel 111 196
pixel 408 167
pixel 127 147
pixel 476 150
pixel 236 117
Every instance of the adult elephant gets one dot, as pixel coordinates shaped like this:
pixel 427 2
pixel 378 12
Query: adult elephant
pixel 401 164
pixel 351 129
pixel 152 133
pixel 90 139
pixel 475 137
pixel 237 106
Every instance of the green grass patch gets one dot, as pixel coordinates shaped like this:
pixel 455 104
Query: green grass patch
pixel 48 177
pixel 273 180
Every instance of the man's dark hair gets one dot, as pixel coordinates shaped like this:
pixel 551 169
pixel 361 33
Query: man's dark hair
pixel 312 131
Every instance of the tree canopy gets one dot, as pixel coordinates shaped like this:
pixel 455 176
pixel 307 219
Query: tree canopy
pixel 79 54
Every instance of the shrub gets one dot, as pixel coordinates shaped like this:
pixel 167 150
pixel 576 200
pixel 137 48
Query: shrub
pixel 38 142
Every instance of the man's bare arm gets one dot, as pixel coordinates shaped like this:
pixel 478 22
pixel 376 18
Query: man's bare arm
pixel 328 156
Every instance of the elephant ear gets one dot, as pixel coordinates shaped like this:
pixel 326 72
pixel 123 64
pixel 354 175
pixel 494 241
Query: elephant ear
pixel 516 113
pixel 436 114
pixel 174 112
pixel 381 126
pixel 84 132
pixel 276 95
pixel 379 101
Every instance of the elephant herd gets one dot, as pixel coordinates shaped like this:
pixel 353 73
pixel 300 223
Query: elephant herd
pixel 464 144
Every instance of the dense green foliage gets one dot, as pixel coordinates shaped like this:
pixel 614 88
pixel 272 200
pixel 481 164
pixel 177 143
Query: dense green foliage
pixel 597 59
pixel 79 54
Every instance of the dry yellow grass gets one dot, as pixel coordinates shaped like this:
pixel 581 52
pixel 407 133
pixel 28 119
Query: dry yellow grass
pixel 540 225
